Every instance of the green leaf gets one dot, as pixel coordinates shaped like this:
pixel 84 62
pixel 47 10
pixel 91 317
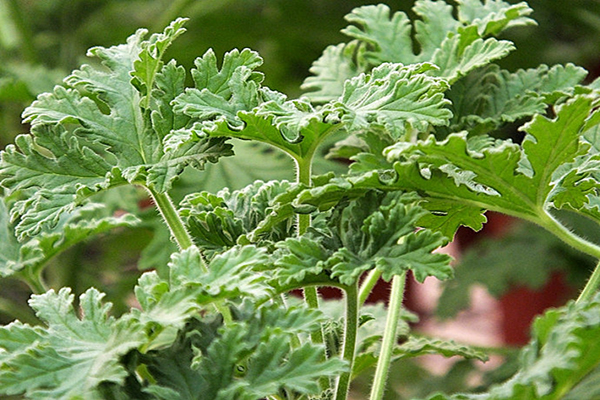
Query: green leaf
pixel 294 127
pixel 502 177
pixel 490 97
pixel 149 61
pixel 493 16
pixel 397 97
pixel 418 346
pixel 218 222
pixel 370 232
pixel 29 258
pixel 222 93
pixel 99 132
pixel 251 358
pixel 72 355
pixel 191 286
pixel 457 46
pixel 331 70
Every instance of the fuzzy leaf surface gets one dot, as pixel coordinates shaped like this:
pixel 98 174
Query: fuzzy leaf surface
pixel 72 355
pixel 30 257
pixel 371 232
pixel 457 46
pixel 250 358
pixel 102 129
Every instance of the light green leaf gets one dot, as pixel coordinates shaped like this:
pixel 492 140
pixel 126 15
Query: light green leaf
pixel 29 258
pixel 149 60
pixel 331 70
pixel 457 46
pixel 493 16
pixel 192 286
pixel 296 128
pixel 222 93
pixel 99 132
pixel 72 355
pixel 397 97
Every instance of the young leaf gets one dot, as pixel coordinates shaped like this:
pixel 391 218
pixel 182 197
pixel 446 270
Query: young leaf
pixel 222 93
pixel 190 286
pixel 395 96
pixel 457 46
pixel 218 222
pixel 71 356
pixel 331 70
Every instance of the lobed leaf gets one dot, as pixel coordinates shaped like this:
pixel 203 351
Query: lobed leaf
pixel 370 232
pixel 502 177
pixel 251 358
pixel 191 286
pixel 103 129
pixel 72 355
pixel 457 44
pixel 29 258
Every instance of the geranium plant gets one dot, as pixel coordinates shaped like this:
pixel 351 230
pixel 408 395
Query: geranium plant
pixel 413 105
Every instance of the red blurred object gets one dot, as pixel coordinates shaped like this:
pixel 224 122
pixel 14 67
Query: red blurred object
pixel 520 306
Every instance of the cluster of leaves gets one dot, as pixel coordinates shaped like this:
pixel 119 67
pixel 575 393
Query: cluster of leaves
pixel 216 323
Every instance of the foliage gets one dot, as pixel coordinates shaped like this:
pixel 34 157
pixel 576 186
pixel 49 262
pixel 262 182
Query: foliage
pixel 412 111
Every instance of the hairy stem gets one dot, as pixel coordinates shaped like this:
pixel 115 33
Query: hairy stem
pixel 389 337
pixel 167 210
pixel 555 227
pixel 303 174
pixel 311 296
pixel 558 229
pixel 368 285
pixel 350 333
pixel 591 287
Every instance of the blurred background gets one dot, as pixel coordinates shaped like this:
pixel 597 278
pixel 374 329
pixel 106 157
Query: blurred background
pixel 42 41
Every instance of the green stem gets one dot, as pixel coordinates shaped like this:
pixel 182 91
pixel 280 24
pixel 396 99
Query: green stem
pixel 35 281
pixel 171 217
pixel 389 337
pixel 303 175
pixel 311 295
pixel 350 333
pixel 591 287
pixel 555 227
pixel 182 237
pixel 368 285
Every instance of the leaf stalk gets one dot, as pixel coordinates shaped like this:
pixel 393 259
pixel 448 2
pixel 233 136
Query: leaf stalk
pixel 350 335
pixel 389 337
